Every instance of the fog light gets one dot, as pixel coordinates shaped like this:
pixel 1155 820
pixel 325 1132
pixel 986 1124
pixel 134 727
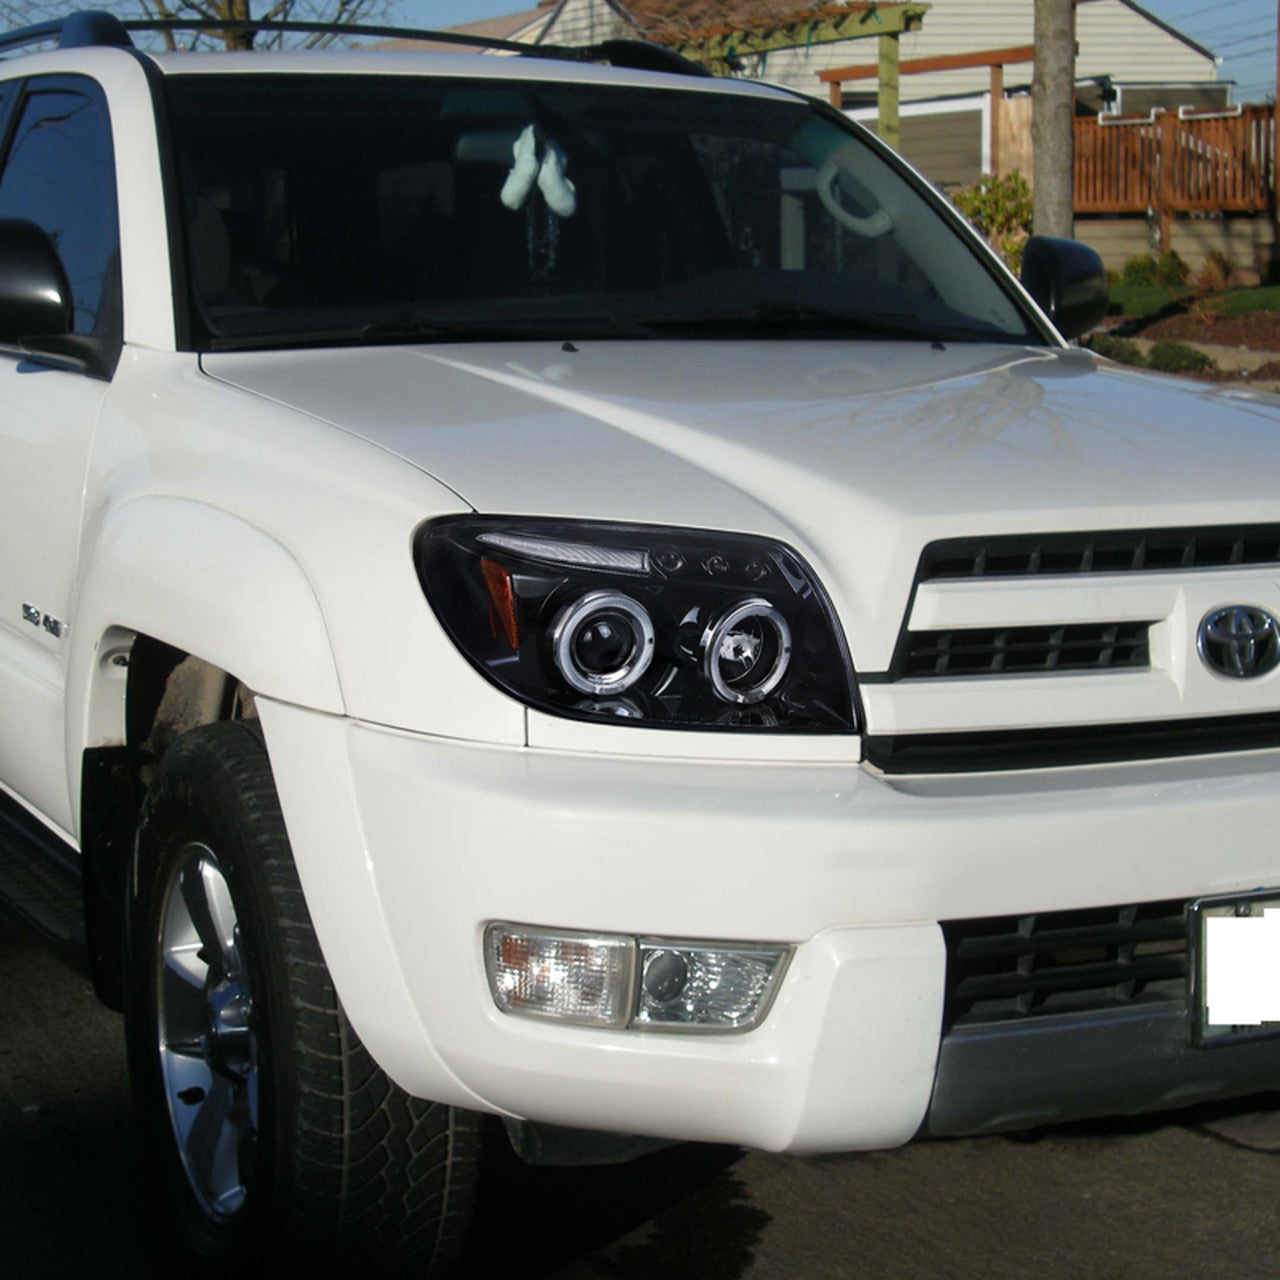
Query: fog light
pixel 572 977
pixel 706 987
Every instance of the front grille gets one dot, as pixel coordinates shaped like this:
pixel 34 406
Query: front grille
pixel 1008 650
pixel 1120 551
pixel 1016 967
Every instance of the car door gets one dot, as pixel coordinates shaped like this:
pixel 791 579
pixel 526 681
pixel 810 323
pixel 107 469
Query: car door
pixel 56 170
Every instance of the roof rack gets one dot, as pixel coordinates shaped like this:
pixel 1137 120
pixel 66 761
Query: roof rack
pixel 95 28
pixel 85 29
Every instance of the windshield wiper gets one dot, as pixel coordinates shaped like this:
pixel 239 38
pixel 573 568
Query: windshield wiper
pixel 404 330
pixel 775 316
pixel 762 319
pixel 416 329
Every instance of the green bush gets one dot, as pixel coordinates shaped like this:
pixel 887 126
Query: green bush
pixel 1178 357
pixel 1119 349
pixel 1000 208
pixel 1166 269
pixel 1171 270
pixel 1139 270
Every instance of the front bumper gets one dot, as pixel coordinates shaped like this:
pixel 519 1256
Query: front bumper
pixel 408 846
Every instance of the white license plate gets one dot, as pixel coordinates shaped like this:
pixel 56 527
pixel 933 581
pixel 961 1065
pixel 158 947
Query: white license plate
pixel 1235 984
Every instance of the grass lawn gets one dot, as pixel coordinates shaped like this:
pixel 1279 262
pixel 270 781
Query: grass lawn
pixel 1149 299
pixel 1265 297
pixel 1141 299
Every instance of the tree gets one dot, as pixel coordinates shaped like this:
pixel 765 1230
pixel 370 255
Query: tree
pixel 1052 112
pixel 15 13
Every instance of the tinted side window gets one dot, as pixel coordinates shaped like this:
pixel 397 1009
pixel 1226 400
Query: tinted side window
pixel 59 174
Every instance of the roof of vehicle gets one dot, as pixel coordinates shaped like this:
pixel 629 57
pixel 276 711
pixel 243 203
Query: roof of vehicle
pixel 98 30
pixel 362 61
pixel 87 36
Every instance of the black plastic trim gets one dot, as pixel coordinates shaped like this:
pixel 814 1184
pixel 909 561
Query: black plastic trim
pixel 183 327
pixel 1021 1075
pixel 640 55
pixel 88 28
pixel 553 1146
pixel 98 29
pixel 1079 554
pixel 985 652
pixel 1034 555
pixel 1002 749
pixel 1048 963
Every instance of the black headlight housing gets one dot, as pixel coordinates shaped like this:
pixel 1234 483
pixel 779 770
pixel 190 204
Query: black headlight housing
pixel 669 628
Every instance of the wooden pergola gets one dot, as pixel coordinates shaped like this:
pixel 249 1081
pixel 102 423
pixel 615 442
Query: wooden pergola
pixel 717 44
pixel 996 59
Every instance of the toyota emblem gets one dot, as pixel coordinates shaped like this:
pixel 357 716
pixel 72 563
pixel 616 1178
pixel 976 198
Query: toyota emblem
pixel 1239 641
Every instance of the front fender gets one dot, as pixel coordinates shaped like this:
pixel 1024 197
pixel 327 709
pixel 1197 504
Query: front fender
pixel 205 582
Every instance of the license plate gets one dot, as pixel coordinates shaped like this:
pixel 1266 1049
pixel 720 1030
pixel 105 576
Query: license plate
pixel 1235 968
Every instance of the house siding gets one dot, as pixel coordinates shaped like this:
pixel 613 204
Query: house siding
pixel 585 22
pixel 1113 40
pixel 943 140
pixel 947 147
pixel 1249 242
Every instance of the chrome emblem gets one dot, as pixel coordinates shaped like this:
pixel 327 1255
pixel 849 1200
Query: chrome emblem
pixel 1239 641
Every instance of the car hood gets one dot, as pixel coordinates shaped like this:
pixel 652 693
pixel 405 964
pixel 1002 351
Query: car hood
pixel 857 453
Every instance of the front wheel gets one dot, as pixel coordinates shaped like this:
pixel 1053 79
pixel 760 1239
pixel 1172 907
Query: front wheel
pixel 270 1125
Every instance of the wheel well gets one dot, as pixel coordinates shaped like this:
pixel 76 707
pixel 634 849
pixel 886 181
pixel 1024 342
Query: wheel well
pixel 171 691
pixel 168 692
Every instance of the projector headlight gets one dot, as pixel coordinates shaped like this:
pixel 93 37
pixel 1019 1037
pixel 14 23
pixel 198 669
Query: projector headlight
pixel 675 628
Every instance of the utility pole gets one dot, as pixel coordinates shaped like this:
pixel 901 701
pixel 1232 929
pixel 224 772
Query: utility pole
pixel 1053 97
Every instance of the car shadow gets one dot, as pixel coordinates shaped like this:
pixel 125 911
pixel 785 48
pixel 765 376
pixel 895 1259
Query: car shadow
pixel 701 1223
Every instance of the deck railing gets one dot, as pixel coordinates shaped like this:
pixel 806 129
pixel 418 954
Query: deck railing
pixel 1171 162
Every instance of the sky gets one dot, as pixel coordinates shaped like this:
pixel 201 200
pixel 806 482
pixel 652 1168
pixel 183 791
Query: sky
pixel 1241 32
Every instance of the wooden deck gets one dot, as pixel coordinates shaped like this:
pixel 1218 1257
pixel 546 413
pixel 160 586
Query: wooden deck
pixel 1171 162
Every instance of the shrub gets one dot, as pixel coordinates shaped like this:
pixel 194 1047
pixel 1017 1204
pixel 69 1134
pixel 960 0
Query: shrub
pixel 1119 349
pixel 1221 265
pixel 1139 270
pixel 1213 278
pixel 1171 270
pixel 1178 357
pixel 1000 208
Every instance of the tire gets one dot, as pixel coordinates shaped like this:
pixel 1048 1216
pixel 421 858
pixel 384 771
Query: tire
pixel 271 1129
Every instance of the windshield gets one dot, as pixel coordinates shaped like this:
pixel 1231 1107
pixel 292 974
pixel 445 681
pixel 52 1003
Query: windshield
pixel 391 208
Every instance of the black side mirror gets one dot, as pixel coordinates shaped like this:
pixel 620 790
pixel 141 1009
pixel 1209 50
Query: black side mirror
pixel 37 313
pixel 1068 280
pixel 35 298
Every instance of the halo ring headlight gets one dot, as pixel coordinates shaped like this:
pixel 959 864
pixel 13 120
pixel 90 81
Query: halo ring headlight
pixel 746 652
pixel 602 643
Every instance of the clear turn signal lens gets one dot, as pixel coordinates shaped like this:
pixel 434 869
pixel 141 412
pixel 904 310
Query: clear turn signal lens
pixel 705 987
pixel 572 977
pixel 607 980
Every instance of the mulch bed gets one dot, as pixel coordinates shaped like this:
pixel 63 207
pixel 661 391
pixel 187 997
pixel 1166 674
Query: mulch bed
pixel 1257 330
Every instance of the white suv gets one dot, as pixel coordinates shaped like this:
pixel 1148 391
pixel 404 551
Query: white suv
pixel 588 595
